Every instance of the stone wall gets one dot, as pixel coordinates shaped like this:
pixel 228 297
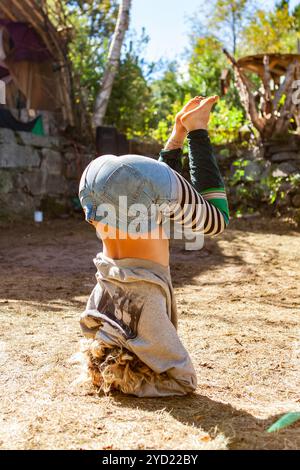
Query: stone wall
pixel 38 172
pixel 43 172
pixel 284 155
pixel 276 163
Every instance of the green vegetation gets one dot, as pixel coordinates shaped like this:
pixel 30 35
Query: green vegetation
pixel 226 122
pixel 145 96
pixel 274 31
pixel 259 186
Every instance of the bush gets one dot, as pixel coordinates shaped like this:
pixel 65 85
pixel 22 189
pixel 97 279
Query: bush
pixel 225 123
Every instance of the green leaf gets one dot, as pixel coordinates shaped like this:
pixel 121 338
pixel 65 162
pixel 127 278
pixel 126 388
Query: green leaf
pixel 284 421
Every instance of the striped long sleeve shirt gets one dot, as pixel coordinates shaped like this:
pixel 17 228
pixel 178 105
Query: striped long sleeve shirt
pixel 202 205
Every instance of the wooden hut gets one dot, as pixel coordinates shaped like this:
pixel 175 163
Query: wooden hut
pixel 33 59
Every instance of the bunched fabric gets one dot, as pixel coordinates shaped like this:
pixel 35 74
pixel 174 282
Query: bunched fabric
pixel 131 318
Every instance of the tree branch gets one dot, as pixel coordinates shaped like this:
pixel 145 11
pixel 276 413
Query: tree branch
pixel 247 98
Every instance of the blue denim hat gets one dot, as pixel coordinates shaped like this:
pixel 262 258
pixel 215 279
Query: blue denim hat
pixel 118 194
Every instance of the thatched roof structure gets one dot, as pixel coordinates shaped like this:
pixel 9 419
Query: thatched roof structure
pixel 278 63
pixel 34 13
pixel 271 106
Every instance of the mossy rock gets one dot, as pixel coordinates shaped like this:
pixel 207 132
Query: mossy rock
pixel 6 183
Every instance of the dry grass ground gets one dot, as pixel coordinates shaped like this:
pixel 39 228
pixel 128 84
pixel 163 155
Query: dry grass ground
pixel 238 303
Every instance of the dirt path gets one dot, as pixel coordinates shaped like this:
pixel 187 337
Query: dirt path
pixel 238 302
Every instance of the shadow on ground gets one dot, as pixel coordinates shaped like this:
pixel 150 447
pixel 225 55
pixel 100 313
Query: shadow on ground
pixel 55 261
pixel 242 429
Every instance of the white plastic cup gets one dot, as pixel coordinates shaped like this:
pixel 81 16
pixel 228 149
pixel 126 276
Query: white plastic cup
pixel 38 216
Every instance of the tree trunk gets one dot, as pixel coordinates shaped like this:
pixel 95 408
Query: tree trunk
pixel 246 96
pixel 234 34
pixel 112 63
pixel 289 109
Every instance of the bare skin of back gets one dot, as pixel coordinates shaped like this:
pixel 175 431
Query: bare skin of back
pixel 155 246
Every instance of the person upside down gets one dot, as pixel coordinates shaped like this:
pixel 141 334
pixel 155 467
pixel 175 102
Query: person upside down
pixel 131 318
